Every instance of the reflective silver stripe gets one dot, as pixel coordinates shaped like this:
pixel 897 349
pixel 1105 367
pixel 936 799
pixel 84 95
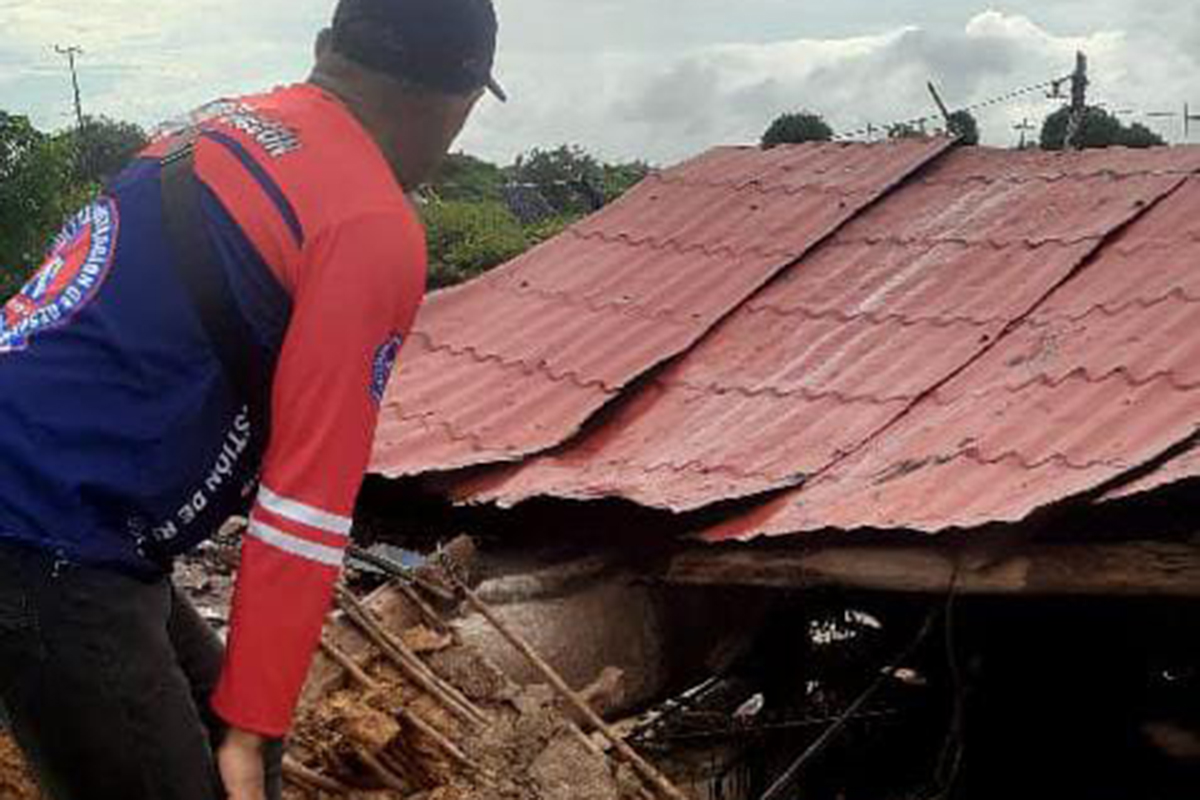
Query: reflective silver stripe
pixel 304 514
pixel 294 545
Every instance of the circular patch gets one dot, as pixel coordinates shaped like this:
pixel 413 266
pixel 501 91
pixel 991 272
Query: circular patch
pixel 67 281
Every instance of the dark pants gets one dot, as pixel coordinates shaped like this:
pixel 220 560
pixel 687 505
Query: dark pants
pixel 106 681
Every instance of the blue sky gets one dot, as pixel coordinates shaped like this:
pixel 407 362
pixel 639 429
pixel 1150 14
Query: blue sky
pixel 659 79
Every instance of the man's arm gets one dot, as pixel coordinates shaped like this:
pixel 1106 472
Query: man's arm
pixel 359 288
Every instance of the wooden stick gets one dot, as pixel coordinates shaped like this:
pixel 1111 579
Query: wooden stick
pixel 433 588
pixel 409 663
pixel 304 777
pixel 584 739
pixel 388 778
pixel 431 617
pixel 349 664
pixel 651 775
pixel 438 738
pixel 406 764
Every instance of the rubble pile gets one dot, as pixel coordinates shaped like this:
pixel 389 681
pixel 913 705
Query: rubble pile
pixel 399 707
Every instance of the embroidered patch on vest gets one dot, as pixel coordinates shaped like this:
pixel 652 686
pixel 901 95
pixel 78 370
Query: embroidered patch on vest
pixel 67 281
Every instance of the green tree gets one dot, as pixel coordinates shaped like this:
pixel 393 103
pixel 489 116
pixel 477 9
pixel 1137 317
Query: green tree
pixel 620 178
pixel 464 177
pixel 1138 135
pixel 38 191
pixel 106 146
pixel 797 128
pixel 570 178
pixel 1099 129
pixel 963 126
pixel 473 214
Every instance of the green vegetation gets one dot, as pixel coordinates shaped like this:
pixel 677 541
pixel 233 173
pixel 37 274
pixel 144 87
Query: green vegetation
pixel 963 126
pixel 105 147
pixel 803 126
pixel 468 238
pixel 478 215
pixel 470 210
pixel 39 188
pixel 1099 129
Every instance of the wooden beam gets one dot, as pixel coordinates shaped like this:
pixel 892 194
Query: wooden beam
pixel 1129 569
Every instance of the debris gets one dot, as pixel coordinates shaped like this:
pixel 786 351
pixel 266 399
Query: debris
pixel 418 712
pixel 627 753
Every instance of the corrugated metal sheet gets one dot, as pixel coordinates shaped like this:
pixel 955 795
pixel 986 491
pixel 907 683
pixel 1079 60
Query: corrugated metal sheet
pixel 851 340
pixel 514 363
pixel 1103 377
pixel 1181 468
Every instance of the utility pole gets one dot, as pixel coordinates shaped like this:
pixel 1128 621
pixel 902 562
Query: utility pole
pixel 1079 86
pixel 1188 118
pixel 71 52
pixel 937 98
pixel 1025 127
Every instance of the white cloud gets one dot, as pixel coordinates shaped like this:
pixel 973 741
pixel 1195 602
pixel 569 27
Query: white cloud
pixel 665 106
pixel 145 64
pixel 630 78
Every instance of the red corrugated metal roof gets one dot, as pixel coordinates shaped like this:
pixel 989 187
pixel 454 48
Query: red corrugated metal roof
pixel 1006 331
pixel 850 340
pixel 515 362
pixel 1103 377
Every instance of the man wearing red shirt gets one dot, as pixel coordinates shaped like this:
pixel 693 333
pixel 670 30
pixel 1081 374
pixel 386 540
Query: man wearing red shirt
pixel 214 332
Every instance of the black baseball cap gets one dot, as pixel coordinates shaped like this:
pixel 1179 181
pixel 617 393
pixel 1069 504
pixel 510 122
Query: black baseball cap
pixel 449 45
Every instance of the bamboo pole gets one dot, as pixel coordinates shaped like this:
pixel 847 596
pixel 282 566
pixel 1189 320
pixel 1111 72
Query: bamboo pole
pixel 347 663
pixel 437 737
pixel 409 663
pixel 431 617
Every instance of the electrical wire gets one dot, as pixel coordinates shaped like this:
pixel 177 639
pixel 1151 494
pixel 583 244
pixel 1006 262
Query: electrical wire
pixel 916 122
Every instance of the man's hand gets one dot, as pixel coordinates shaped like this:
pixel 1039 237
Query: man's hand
pixel 240 760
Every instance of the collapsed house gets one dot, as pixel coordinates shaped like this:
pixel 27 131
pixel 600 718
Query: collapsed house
pixel 826 471
pixel 904 369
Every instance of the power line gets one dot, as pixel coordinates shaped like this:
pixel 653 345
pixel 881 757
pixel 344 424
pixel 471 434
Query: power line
pixel 870 129
pixel 1187 116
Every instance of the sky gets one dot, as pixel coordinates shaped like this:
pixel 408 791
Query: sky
pixel 659 80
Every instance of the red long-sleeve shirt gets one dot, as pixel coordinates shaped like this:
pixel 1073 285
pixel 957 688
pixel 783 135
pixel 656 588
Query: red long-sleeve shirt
pixel 355 280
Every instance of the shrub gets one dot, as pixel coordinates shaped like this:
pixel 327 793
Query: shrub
pixel 467 239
